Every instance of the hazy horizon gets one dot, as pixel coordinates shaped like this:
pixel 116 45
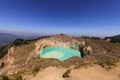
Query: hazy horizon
pixel 49 34
pixel 74 17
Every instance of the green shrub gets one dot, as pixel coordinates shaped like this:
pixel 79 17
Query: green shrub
pixel 66 74
pixel 115 40
pixel 4 78
pixel 19 42
pixel 2 64
pixel 16 77
pixel 36 70
pixel 108 64
pixel 3 51
pixel 82 65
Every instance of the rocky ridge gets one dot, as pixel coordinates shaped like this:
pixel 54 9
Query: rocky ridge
pixel 26 57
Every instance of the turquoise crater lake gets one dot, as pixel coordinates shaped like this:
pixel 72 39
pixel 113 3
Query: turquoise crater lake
pixel 60 53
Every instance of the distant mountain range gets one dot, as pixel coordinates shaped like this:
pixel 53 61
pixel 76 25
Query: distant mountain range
pixel 117 37
pixel 6 38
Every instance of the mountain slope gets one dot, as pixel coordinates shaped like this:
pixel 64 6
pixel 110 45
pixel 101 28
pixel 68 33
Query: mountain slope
pixel 6 38
pixel 25 57
pixel 115 39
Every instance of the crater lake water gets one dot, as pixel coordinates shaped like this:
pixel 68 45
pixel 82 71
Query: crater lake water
pixel 60 53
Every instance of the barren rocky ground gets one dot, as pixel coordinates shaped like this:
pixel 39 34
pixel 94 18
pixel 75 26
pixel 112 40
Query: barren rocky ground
pixel 21 60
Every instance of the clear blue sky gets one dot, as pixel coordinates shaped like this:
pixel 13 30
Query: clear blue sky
pixel 89 17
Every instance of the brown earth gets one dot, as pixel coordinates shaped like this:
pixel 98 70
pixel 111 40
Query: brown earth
pixel 26 58
pixel 84 73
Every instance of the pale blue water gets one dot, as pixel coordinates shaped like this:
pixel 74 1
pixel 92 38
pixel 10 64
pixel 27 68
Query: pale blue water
pixel 73 44
pixel 60 53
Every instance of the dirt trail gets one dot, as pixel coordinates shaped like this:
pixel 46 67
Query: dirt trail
pixel 50 73
pixel 91 73
pixel 95 73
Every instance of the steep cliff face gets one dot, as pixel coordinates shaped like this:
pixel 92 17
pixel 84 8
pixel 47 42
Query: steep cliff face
pixel 59 40
pixel 16 58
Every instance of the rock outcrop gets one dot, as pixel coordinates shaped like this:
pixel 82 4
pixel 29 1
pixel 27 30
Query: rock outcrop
pixel 59 40
pixel 64 41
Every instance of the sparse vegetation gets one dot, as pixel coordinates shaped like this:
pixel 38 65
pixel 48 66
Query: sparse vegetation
pixel 108 64
pixel 36 69
pixel 26 51
pixel 77 66
pixel 66 74
pixel 4 78
pixel 2 64
pixel 16 77
pixel 12 77
pixel 115 40
pixel 19 42
pixel 3 51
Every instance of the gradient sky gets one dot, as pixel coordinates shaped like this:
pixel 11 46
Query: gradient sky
pixel 88 17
